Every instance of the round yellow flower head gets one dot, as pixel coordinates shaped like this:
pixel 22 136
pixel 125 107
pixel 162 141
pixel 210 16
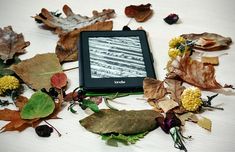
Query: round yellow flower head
pixel 173 53
pixel 175 41
pixel 8 83
pixel 191 98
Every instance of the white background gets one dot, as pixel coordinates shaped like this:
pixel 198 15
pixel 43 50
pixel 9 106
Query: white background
pixel 196 16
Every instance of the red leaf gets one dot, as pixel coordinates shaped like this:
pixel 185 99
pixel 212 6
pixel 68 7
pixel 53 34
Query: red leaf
pixel 59 80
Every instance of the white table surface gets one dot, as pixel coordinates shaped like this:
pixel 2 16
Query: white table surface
pixel 196 16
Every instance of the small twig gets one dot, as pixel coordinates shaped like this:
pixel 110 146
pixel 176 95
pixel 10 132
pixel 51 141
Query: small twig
pixel 59 134
pixel 107 103
pixel 70 69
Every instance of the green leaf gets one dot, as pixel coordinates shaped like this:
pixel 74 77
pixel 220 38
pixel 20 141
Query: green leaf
pixel 40 105
pixel 128 139
pixel 90 104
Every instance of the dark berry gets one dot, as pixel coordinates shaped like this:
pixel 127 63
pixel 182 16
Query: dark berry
pixel 171 19
pixel 43 130
pixel 126 28
pixel 44 90
pixel 53 92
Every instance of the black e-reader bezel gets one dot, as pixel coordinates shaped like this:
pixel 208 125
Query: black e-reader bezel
pixel 112 84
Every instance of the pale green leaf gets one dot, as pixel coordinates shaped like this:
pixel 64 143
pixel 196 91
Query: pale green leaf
pixel 40 105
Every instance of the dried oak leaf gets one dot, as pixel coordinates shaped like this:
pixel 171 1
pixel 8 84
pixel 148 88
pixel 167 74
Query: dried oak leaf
pixel 153 88
pixel 37 71
pixel 175 88
pixel 208 41
pixel 123 122
pixel 141 12
pixel 11 43
pixel 195 73
pixel 67 49
pixel 72 21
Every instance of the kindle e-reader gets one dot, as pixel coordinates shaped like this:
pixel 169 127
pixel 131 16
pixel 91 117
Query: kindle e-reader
pixel 114 61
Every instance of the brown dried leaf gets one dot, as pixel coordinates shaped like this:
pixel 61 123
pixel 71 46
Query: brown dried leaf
pixel 123 122
pixel 167 104
pixel 8 115
pixel 37 71
pixel 73 21
pixel 154 89
pixel 141 12
pixel 11 43
pixel 210 60
pixel 20 102
pixel 209 41
pixel 205 123
pixel 175 88
pixel 67 50
pixel 195 73
pixel 189 116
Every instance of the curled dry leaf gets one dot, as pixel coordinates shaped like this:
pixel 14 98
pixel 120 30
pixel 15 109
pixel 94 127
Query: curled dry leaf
pixel 37 71
pixel 154 89
pixel 67 49
pixel 189 116
pixel 11 43
pixel 59 80
pixel 141 12
pixel 195 73
pixel 72 21
pixel 113 121
pixel 208 41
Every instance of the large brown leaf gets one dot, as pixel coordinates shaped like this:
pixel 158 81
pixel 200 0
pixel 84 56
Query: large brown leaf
pixel 154 89
pixel 11 43
pixel 123 122
pixel 37 71
pixel 195 73
pixel 72 21
pixel 67 49
pixel 209 41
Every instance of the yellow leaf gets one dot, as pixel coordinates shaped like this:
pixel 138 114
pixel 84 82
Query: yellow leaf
pixel 205 123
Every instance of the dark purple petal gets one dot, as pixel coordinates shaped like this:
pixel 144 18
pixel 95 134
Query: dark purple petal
pixel 171 19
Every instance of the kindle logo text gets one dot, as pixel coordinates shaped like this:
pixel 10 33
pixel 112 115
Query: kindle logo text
pixel 119 82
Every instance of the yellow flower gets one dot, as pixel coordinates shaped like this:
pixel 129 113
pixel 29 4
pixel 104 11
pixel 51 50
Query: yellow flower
pixel 191 98
pixel 8 83
pixel 173 53
pixel 175 41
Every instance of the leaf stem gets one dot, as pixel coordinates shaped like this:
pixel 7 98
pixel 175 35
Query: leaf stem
pixel 59 134
pixel 71 69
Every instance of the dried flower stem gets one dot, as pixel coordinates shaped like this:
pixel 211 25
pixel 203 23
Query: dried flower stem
pixel 59 134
